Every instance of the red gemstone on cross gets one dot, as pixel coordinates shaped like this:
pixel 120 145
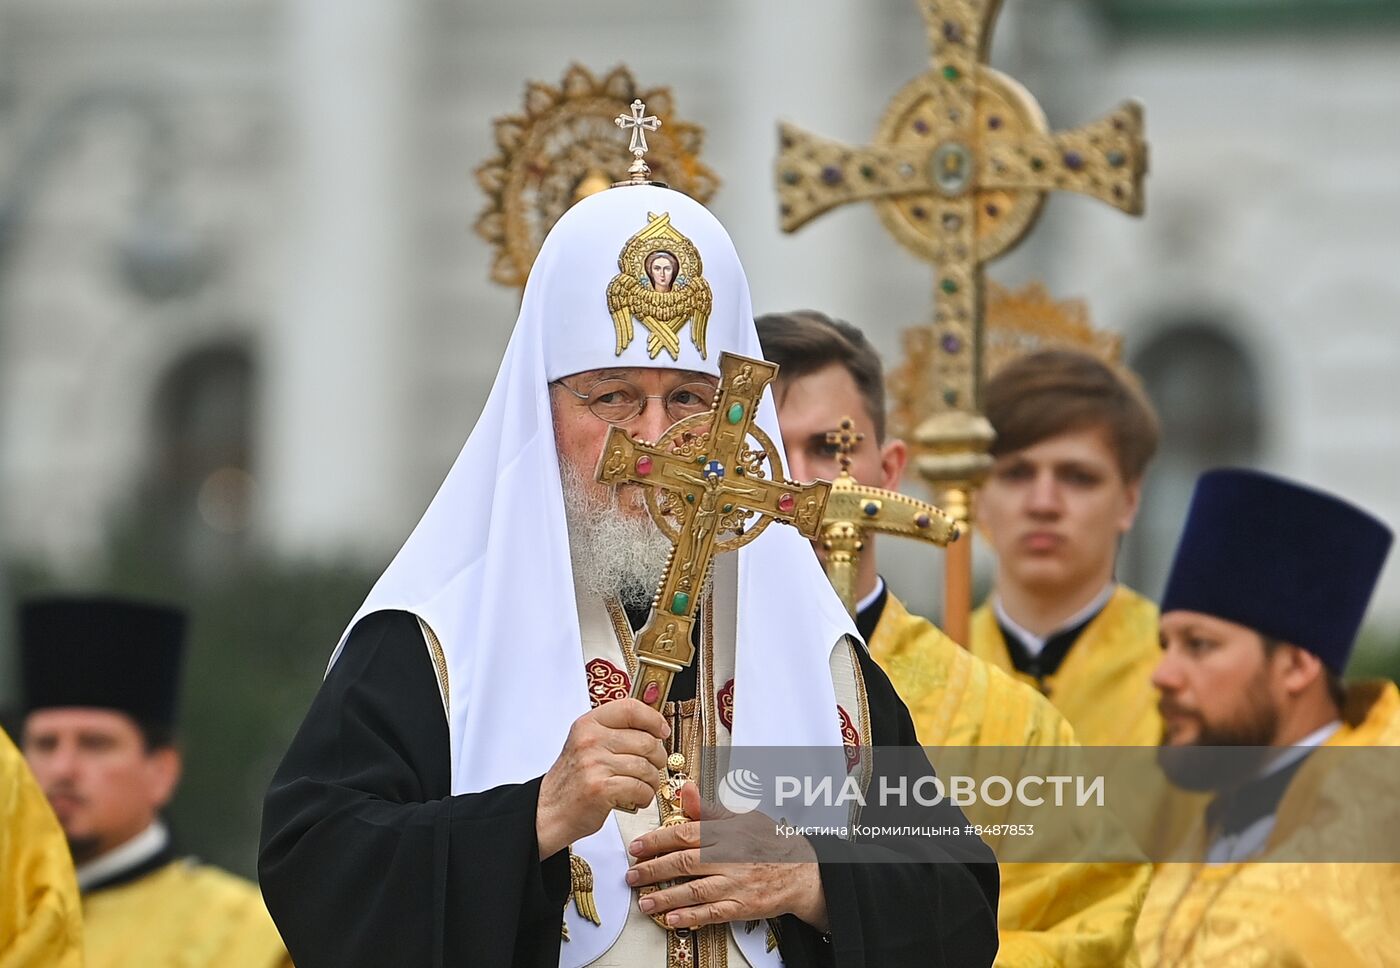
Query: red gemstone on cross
pixel 786 503
pixel 643 466
pixel 651 693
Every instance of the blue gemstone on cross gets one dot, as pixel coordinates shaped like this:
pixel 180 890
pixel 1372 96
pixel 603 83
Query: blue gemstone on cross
pixel 713 469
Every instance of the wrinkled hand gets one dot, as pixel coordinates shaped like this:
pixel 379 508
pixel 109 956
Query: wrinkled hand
pixel 780 876
pixel 612 758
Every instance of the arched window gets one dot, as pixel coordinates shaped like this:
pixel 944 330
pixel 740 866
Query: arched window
pixel 1207 393
pixel 199 496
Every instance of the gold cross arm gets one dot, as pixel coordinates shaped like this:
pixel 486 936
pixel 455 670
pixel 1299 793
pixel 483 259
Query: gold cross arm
pixel 958 171
pixel 855 511
pixel 1105 159
pixel 711 483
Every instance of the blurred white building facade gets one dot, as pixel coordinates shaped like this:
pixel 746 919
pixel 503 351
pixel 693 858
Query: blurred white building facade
pixel 239 286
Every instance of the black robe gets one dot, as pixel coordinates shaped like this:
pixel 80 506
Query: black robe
pixel 368 860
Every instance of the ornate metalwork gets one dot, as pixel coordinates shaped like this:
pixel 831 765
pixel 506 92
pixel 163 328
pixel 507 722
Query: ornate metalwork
pixel 855 511
pixel 563 148
pixel 717 493
pixel 639 123
pixel 1018 322
pixel 958 172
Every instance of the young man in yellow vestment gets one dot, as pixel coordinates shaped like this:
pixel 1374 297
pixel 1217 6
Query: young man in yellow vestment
pixel 1073 440
pixel 1051 914
pixel 40 920
pixel 101 677
pixel 1264 599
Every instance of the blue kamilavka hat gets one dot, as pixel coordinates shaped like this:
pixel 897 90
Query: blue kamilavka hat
pixel 1290 562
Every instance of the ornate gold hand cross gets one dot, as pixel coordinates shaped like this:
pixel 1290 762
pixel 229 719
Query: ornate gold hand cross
pixel 705 477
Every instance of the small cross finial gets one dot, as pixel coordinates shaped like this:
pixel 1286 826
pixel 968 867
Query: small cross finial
pixel 639 123
pixel 844 438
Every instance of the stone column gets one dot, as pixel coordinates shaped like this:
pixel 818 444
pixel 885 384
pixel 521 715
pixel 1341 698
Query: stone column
pixel 338 350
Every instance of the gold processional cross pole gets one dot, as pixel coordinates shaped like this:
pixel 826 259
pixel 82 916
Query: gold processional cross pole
pixel 704 483
pixel 856 511
pixel 959 171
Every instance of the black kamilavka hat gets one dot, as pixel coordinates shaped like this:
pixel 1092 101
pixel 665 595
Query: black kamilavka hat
pixel 108 653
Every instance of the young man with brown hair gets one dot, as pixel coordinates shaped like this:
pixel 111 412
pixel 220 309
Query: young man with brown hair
pixel 1074 437
pixel 1065 914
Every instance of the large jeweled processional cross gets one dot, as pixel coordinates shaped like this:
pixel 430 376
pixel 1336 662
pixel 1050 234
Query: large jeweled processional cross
pixel 707 490
pixel 959 171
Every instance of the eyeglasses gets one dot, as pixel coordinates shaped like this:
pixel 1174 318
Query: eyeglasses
pixel 617 401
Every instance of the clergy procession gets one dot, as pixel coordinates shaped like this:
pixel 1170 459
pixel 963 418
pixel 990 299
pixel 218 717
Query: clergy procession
pixel 788 600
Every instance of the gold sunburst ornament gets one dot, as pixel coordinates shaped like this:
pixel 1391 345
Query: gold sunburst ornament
pixel 562 148
pixel 659 284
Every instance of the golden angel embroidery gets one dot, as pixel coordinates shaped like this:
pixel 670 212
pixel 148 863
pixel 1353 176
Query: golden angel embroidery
pixel 659 284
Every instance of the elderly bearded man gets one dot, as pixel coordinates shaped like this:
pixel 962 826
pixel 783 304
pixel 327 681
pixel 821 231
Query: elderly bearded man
pixel 451 797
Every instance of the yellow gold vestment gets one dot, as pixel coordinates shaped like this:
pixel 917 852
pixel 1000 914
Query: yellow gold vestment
pixel 1287 915
pixel 1079 914
pixel 40 918
pixel 183 914
pixel 1104 686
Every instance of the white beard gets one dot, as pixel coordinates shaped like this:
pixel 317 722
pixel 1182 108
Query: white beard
pixel 613 552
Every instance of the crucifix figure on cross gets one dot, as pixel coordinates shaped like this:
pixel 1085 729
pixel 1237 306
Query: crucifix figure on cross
pixel 959 171
pixel 639 123
pixel 707 490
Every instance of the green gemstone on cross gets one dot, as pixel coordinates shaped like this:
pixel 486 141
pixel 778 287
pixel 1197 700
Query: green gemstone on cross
pixel 951 73
pixel 680 603
pixel 949 286
pixel 736 413
pixel 727 508
pixel 690 499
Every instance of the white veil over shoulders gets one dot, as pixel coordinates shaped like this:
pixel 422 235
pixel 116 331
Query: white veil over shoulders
pixel 488 565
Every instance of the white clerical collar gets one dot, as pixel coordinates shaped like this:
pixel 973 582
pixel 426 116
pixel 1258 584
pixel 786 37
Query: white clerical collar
pixel 1251 841
pixel 137 850
pixel 874 596
pixel 1293 753
pixel 1035 643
